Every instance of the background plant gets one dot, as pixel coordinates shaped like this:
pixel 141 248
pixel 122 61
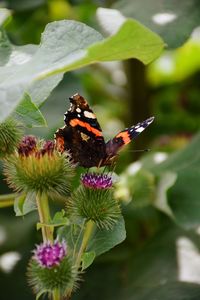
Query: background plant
pixel 155 196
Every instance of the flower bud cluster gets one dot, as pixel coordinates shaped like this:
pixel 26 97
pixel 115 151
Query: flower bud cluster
pixel 39 167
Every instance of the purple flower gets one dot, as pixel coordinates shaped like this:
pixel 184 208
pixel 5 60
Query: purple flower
pixel 50 255
pixel 96 181
pixel 48 147
pixel 27 145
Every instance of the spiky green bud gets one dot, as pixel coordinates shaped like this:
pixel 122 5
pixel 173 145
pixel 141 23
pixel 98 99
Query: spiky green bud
pixel 10 135
pixel 94 201
pixel 38 167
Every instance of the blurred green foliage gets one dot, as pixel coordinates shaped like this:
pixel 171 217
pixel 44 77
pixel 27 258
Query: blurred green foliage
pixel 160 192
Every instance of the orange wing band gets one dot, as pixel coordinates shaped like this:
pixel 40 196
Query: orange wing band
pixel 76 122
pixel 125 136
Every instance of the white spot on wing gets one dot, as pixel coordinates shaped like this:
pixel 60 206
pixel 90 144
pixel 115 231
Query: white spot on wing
pixel 79 116
pixel 89 115
pixel 78 110
pixel 140 129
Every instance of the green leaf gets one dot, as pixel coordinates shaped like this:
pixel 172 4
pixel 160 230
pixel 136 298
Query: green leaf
pixel 40 90
pixel 183 194
pixel 104 240
pixel 101 241
pixel 68 45
pixel 29 113
pixel 24 204
pixel 172 21
pixel 131 40
pixel 165 182
pixel 5 48
pixel 164 266
pixel 159 270
pixel 87 259
pixel 60 218
pixel 183 198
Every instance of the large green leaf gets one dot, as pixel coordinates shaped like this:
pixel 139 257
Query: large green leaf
pixel 176 183
pixel 172 20
pixel 24 204
pixel 101 240
pixel 166 267
pixel 29 113
pixel 104 240
pixel 5 49
pixel 68 45
pixel 183 198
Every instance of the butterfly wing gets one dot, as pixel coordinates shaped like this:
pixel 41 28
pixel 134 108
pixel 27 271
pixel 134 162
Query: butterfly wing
pixel 82 134
pixel 125 137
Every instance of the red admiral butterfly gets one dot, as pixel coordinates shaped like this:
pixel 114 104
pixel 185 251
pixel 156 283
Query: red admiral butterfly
pixel 82 136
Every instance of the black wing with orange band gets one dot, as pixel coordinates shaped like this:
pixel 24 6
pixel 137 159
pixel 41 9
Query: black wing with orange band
pixel 82 134
pixel 125 137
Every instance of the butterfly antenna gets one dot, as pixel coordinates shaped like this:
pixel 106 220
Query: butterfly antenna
pixel 140 150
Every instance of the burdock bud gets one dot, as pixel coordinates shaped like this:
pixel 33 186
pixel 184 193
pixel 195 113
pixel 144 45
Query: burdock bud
pixel 10 135
pixel 39 167
pixel 94 200
pixel 50 268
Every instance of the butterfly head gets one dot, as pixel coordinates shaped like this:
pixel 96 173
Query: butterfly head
pixel 77 101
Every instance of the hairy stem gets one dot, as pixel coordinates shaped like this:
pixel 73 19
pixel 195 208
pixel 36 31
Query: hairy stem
pixel 45 218
pixel 47 232
pixel 89 226
pixel 88 230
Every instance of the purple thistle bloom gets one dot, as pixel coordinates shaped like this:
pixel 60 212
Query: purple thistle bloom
pixel 50 255
pixel 48 147
pixel 96 181
pixel 27 145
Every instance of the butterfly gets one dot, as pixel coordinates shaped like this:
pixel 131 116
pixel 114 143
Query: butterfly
pixel 82 136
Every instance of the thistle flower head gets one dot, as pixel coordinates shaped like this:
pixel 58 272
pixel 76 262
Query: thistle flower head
pixel 96 181
pixel 51 268
pixel 39 167
pixel 94 200
pixel 50 255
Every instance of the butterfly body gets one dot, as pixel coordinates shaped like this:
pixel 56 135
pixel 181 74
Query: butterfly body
pixel 82 136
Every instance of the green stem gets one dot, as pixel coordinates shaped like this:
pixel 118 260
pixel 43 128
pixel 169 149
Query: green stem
pixel 56 294
pixel 7 200
pixel 89 226
pixel 47 232
pixel 44 215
